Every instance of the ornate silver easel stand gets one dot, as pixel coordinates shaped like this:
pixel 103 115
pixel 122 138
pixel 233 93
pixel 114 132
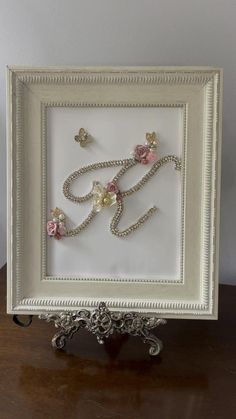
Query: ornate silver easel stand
pixel 102 323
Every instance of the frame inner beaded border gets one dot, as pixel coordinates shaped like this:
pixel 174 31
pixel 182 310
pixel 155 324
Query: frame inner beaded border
pixel 53 104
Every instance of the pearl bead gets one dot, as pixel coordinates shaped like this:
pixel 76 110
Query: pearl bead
pixel 61 217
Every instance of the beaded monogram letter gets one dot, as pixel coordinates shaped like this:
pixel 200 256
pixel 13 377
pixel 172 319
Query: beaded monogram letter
pixel 106 196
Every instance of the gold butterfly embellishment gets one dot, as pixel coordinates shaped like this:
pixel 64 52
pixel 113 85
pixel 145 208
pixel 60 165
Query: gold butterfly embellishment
pixel 83 138
pixel 151 139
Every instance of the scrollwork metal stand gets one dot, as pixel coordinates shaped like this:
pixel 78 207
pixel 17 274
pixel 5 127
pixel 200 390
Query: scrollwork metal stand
pixel 102 323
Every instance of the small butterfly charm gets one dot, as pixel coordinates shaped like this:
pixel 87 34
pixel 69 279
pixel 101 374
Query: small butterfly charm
pixel 83 138
pixel 151 140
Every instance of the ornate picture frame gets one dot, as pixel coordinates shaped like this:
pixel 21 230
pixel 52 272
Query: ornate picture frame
pixel 172 275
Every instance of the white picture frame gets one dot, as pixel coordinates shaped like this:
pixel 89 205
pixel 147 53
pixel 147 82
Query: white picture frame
pixel 46 107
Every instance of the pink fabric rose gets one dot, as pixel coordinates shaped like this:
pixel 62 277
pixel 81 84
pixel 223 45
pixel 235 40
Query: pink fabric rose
pixel 61 229
pixel 140 153
pixel 151 156
pixel 51 228
pixel 143 154
pixel 112 187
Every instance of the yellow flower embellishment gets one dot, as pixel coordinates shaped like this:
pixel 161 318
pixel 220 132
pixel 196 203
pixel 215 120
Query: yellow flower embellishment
pixel 151 139
pixel 102 197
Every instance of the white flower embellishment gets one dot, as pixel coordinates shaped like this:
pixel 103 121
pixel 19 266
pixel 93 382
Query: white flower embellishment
pixel 104 196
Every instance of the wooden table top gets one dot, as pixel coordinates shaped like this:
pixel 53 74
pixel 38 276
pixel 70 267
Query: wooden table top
pixel 194 377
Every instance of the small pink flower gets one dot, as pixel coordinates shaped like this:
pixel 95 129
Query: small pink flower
pixel 144 161
pixel 51 228
pixel 112 187
pixel 61 229
pixel 151 156
pixel 141 152
pixel 57 236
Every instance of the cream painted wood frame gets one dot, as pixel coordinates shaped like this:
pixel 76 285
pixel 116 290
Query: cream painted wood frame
pixel 31 92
